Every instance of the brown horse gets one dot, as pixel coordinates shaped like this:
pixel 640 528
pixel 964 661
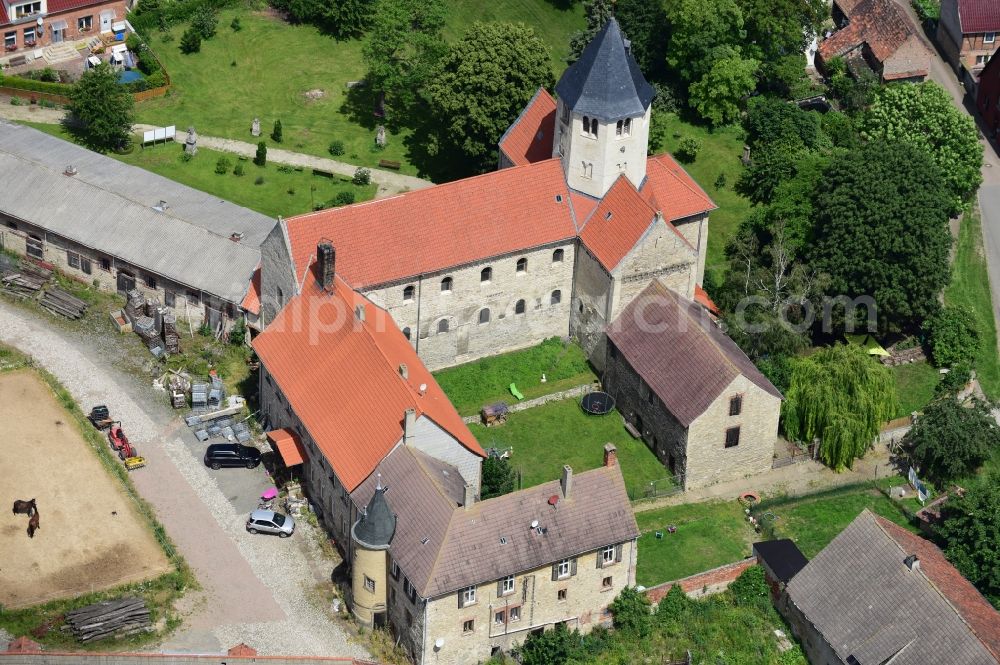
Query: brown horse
pixel 33 524
pixel 24 507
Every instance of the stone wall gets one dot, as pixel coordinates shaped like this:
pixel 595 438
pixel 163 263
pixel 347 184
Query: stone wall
pixel 705 583
pixel 278 282
pixel 815 646
pixel 591 305
pixel 406 616
pixel 660 254
pixel 695 231
pixel 537 596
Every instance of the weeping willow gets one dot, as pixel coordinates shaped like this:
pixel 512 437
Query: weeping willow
pixel 841 396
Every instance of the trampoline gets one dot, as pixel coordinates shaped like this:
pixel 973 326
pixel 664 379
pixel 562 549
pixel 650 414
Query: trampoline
pixel 129 75
pixel 597 403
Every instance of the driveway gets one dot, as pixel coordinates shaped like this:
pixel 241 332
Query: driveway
pixel 255 589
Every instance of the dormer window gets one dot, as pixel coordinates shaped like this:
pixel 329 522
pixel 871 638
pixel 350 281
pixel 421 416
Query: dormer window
pixel 623 128
pixel 26 9
pixel 590 127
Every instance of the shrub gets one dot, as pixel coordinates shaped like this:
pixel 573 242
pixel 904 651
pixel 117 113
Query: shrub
pixel 291 191
pixel 952 335
pixel 260 159
pixel 362 177
pixel 259 180
pixel 630 611
pixel 955 380
pixel 222 166
pixel 48 74
pixel 133 42
pixel 205 330
pixel 16 101
pixel 235 25
pixel 687 150
pixel 238 335
pixel 239 169
pixel 336 148
pixel 186 157
pixel 190 41
pixel 750 588
pixel 345 198
pixel 720 182
pixel 497 477
pixel 205 22
pixel 276 132
pixel 672 606
pixel 285 168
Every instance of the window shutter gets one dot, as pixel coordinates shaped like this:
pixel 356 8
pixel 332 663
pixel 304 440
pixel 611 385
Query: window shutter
pixel 460 603
pixel 600 558
pixel 555 572
pixel 499 588
pixel 572 568
pixel 618 553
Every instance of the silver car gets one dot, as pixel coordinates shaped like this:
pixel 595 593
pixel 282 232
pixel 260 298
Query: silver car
pixel 268 521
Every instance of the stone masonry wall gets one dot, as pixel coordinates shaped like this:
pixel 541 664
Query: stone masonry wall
pixel 662 255
pixel 590 305
pixel 277 279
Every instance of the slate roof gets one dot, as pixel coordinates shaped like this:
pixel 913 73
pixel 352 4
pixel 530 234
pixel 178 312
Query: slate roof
pixel 866 602
pixel 606 82
pixel 377 523
pixel 530 138
pixel 891 37
pixel 679 352
pixel 782 556
pixel 341 377
pixel 979 16
pixel 463 546
pixel 108 206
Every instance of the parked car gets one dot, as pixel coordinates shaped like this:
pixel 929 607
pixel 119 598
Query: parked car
pixel 219 455
pixel 268 521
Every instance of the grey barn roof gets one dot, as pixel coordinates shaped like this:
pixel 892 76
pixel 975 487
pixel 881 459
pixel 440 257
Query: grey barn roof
pixel 606 81
pixel 108 206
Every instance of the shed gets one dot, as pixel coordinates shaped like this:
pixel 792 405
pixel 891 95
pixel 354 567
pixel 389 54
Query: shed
pixel 781 560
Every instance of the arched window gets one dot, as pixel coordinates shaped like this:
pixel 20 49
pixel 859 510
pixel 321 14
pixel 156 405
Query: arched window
pixel 555 298
pixel 519 307
pixel 557 256
pixel 486 275
pixel 593 128
pixel 586 125
pixel 623 128
pixel 446 285
pixel 522 265
pixel 484 315
pixel 406 333
pixel 408 292
pixel 443 326
pixel 587 169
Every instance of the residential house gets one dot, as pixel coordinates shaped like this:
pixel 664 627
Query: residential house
pixel 121 227
pixel 988 96
pixel 967 33
pixel 27 24
pixel 877 35
pixel 688 391
pixel 879 593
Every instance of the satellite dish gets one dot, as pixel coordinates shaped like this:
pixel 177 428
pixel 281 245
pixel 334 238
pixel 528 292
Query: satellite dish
pixel 438 643
pixel 534 524
pixel 40 20
pixel 423 387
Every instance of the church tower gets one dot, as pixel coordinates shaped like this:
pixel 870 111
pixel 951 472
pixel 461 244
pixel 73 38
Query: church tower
pixel 602 115
pixel 371 534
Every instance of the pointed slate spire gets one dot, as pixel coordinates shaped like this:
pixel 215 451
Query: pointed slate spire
pixel 378 523
pixel 606 81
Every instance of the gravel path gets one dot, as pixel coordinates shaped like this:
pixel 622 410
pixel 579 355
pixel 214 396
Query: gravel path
pixel 256 589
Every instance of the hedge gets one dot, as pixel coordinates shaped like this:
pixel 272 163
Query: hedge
pixel 170 13
pixel 63 89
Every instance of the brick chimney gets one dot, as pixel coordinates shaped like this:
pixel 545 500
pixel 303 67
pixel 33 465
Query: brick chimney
pixel 326 262
pixel 610 454
pixel 567 481
pixel 469 497
pixel 404 371
pixel 409 425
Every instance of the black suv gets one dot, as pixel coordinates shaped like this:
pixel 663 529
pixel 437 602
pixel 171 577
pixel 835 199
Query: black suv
pixel 219 455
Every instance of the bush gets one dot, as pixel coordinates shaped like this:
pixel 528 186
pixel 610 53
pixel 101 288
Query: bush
pixel 276 132
pixel 16 101
pixel 190 41
pixel 955 380
pixel 688 149
pixel 222 166
pixel 205 22
pixel 362 177
pixel 239 169
pixel 672 606
pixel 235 25
pixel 260 159
pixel 36 86
pixel 205 330
pixel 336 148
pixel 259 180
pixel 346 198
pixel 630 611
pixel 186 157
pixel 720 182
pixel 133 42
pixel 952 335
pixel 238 335
pixel 750 588
pixel 497 477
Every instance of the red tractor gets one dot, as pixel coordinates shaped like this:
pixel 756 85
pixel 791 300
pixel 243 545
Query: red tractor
pixel 120 444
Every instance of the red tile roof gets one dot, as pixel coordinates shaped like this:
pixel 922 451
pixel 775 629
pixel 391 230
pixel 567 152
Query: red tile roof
pixel 885 28
pixel 342 378
pixel 251 301
pixel 530 138
pixel 672 191
pixel 701 297
pixel 621 218
pixel 288 445
pixel 443 226
pixel 583 206
pixel 976 611
pixel 979 16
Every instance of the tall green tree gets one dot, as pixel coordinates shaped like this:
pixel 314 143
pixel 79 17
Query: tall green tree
pixel 702 32
pixel 970 529
pixel 841 396
pixel 498 477
pixel 346 18
pixel 597 13
pixel 630 612
pixel 777 28
pixel 924 115
pixel 718 95
pixel 646 27
pixel 480 87
pixel 403 48
pixel 881 231
pixel 952 336
pixel 101 111
pixel 951 439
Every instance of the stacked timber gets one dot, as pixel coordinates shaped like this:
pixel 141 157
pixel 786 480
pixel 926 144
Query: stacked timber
pixel 26 280
pixel 62 303
pixel 170 337
pixel 125 616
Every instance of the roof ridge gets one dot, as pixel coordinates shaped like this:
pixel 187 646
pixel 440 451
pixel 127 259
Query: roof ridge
pixel 427 472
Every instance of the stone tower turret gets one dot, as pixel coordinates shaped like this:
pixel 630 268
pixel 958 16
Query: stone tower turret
pixel 602 115
pixel 371 534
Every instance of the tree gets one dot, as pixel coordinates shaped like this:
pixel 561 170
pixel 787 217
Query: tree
pixel 718 95
pixel 750 588
pixel 205 22
pixel 404 47
pixel 970 529
pixel 769 120
pixel 481 86
pixel 346 18
pixel 777 28
pixel 924 115
pixel 101 110
pixel 598 12
pixel 498 477
pixel 643 23
pixel 276 132
pixel 190 41
pixel 362 177
pixel 630 612
pixel 702 32
pixel 952 335
pixel 260 159
pixel 549 647
pixel 673 606
pixel 881 231
pixel 951 439
pixel 841 396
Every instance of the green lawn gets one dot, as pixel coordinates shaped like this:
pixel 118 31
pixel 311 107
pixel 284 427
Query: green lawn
pixel 284 191
pixel 720 154
pixel 708 535
pixel 475 384
pixel 915 383
pixel 265 69
pixel 547 437
pixel 970 287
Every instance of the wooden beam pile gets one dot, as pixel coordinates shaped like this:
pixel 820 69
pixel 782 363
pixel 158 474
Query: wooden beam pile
pixel 126 616
pixel 62 303
pixel 26 280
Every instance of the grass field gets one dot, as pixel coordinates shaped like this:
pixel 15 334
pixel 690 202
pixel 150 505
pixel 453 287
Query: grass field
pixel 264 70
pixel 475 384
pixel 915 383
pixel 547 437
pixel 970 288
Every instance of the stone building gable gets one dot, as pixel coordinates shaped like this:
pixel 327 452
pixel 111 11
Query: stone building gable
pixel 278 283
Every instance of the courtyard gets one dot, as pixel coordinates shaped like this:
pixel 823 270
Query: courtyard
pixel 90 536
